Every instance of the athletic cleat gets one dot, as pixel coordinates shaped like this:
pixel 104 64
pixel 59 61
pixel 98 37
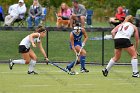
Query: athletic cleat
pixel 32 72
pixel 136 74
pixel 11 64
pixel 84 70
pixel 68 70
pixel 105 72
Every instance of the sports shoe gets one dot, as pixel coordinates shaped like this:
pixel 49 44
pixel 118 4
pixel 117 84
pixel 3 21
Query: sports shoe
pixel 83 70
pixel 135 74
pixel 32 72
pixel 68 70
pixel 11 64
pixel 105 72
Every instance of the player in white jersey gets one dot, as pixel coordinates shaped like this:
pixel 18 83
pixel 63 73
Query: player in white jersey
pixel 122 34
pixel 28 55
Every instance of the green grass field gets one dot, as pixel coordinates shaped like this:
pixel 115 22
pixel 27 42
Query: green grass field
pixel 52 80
pixel 58 47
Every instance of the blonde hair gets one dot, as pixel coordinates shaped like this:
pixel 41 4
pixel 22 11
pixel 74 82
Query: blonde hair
pixel 66 7
pixel 129 18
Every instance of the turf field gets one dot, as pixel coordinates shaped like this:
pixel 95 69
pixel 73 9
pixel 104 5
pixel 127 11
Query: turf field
pixel 58 47
pixel 53 80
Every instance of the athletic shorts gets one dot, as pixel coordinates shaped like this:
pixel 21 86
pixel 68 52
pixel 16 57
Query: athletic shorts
pixel 76 44
pixel 23 49
pixel 122 43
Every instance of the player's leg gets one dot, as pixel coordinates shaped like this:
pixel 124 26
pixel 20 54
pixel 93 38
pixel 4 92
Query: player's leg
pixel 32 62
pixel 117 55
pixel 134 61
pixel 72 63
pixel 25 55
pixel 82 60
pixel 25 60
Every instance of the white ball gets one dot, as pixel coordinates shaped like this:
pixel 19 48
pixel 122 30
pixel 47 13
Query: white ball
pixel 76 73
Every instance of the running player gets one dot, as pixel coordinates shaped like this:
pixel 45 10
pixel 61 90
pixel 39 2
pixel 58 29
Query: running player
pixel 76 44
pixel 122 34
pixel 28 55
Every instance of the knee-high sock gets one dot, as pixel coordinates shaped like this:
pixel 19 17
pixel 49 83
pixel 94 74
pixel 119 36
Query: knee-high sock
pixel 70 65
pixel 110 64
pixel 32 65
pixel 82 61
pixel 19 61
pixel 134 63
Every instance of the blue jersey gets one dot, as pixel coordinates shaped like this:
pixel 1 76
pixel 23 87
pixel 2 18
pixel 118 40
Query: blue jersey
pixel 77 38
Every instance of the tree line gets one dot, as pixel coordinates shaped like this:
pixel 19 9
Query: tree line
pixel 101 8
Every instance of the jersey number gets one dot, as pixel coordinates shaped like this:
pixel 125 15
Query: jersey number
pixel 125 28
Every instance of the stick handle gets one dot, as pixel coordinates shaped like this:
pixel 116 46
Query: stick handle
pixel 79 53
pixel 77 56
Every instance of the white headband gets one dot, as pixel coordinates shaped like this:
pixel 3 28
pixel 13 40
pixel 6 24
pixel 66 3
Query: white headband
pixel 77 27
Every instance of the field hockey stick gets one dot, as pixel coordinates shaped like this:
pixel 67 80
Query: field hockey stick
pixel 63 69
pixel 47 61
pixel 77 57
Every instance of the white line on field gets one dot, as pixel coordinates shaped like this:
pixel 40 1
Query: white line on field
pixel 13 72
pixel 56 85
pixel 36 85
pixel 122 84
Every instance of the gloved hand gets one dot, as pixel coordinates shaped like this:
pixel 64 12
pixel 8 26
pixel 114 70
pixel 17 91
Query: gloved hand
pixel 83 44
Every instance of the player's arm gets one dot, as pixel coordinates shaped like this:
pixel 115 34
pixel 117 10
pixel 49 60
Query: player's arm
pixel 114 31
pixel 85 36
pixel 72 42
pixel 136 35
pixel 42 50
pixel 31 37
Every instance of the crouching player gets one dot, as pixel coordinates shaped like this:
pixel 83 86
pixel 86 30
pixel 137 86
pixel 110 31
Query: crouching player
pixel 28 55
pixel 76 44
pixel 122 34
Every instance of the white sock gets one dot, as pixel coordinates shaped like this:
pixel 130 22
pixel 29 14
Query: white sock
pixel 20 61
pixel 32 65
pixel 110 64
pixel 134 63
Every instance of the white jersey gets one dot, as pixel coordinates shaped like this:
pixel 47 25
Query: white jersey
pixel 125 30
pixel 26 41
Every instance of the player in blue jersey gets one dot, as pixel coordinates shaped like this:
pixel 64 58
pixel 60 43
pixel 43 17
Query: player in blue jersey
pixel 76 44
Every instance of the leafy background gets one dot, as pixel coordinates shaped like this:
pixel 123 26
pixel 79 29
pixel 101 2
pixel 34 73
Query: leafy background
pixel 101 8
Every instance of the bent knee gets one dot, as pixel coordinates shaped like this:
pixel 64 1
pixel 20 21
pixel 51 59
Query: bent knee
pixel 83 53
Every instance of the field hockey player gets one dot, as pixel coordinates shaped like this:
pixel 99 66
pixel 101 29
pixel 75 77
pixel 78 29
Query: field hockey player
pixel 28 55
